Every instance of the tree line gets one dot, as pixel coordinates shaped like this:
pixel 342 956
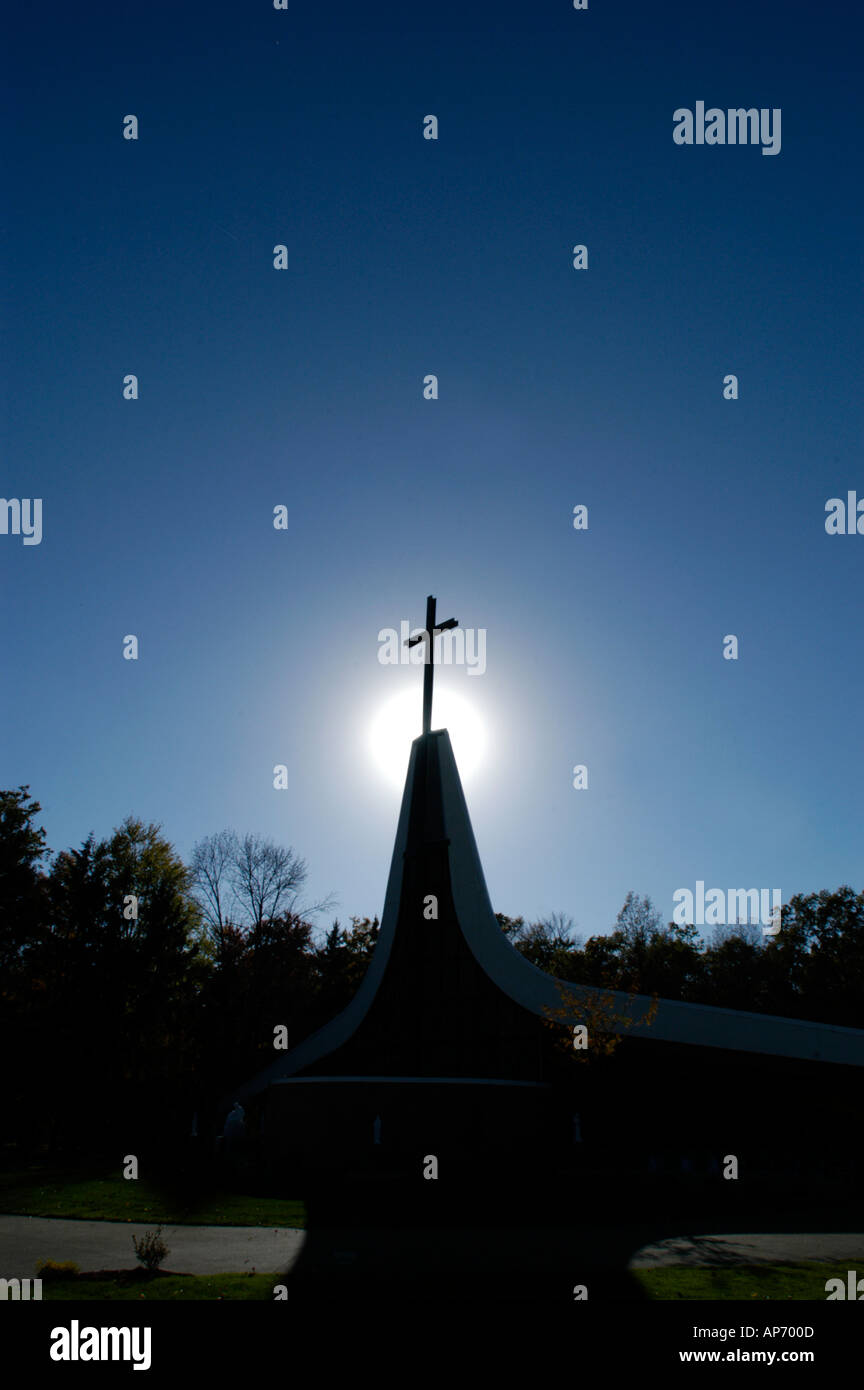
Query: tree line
pixel 136 990
pixel 812 968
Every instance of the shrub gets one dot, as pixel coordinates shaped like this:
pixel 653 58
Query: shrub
pixel 56 1269
pixel 151 1249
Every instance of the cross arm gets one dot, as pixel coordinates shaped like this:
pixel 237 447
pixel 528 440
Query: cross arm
pixel 439 627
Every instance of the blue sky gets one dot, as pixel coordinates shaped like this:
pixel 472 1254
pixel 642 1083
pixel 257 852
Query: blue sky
pixel 556 387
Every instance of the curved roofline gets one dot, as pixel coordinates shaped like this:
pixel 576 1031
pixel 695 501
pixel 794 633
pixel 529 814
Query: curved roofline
pixel 698 1025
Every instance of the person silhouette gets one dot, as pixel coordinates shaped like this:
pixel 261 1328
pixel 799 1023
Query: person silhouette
pixel 234 1131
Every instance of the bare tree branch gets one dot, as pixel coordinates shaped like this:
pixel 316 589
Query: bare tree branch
pixel 265 876
pixel 212 866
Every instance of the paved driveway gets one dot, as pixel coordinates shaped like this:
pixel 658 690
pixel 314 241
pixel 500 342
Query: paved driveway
pixel 750 1249
pixel 108 1245
pixel 238 1249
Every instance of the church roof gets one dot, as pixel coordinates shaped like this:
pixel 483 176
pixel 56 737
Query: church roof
pixel 437 990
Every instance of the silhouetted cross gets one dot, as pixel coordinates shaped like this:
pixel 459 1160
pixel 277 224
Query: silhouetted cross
pixel 429 634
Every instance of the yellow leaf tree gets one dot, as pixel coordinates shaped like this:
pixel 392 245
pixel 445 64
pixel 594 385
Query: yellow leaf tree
pixel 602 1020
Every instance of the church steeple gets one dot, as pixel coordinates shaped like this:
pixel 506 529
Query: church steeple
pixel 446 997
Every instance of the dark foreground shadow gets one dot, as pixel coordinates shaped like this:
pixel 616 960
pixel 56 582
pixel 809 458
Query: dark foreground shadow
pixel 376 1236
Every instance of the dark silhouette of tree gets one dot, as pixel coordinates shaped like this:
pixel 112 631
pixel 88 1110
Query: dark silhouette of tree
pixel 266 876
pixel 213 860
pixel 151 986
pixel 341 961
pixel 642 956
pixel 248 881
pixel 22 883
pixel 512 927
pixel 24 1006
pixel 551 945
pixel 817 957
pixel 121 969
pixel 736 971
pixel 261 979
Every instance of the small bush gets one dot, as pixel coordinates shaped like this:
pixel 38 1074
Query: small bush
pixel 56 1269
pixel 151 1249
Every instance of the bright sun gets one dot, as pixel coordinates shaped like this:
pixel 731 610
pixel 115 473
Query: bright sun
pixel 398 722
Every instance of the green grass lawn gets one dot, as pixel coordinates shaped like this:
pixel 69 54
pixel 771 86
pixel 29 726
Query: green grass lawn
pixel 109 1197
pixel 112 1198
pixel 746 1283
pixel 165 1288
pixel 781 1283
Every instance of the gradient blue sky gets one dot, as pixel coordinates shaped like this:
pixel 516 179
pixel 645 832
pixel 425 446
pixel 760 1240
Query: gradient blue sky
pixel 557 387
